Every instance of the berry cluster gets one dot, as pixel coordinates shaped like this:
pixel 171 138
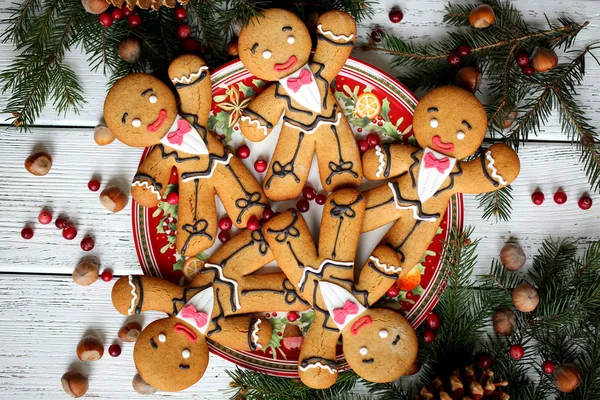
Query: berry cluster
pixel 560 197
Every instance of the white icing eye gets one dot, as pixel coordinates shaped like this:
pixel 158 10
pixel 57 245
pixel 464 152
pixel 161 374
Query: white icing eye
pixel 186 353
pixel 383 333
pixel 363 351
pixel 267 54
pixel 291 39
pixel 460 135
pixel 136 123
pixel 433 123
pixel 162 337
pixel 152 99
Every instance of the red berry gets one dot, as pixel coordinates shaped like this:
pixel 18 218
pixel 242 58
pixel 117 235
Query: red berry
pixel 106 275
pixel 190 45
pixel 484 360
pixel 243 152
pixel 433 321
pixel 585 202
pixel 260 165
pixel 173 198
pixel 320 199
pixel 373 139
pixel 380 123
pixel 253 223
pixel 516 351
pixel 69 232
pixel 94 185
pixel 126 11
pixel 114 350
pixel 395 16
pixel 363 145
pixel 134 20
pixel 560 197
pixel 308 193
pixel 87 243
pixel 537 198
pixel 376 35
pixel 118 14
pixel 528 70
pixel 292 316
pixel 522 59
pixel 274 314
pixel 429 336
pixel 303 205
pixel 180 13
pixel 225 224
pixel 184 31
pixel 393 291
pixel 268 214
pixel 60 223
pixel 548 367
pixel 45 217
pixel 224 236
pixel 464 51
pixel 105 19
pixel 453 59
pixel 27 233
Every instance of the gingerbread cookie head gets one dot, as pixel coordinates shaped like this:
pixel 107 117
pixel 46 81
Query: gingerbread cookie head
pixel 274 45
pixel 139 110
pixel 170 355
pixel 450 120
pixel 380 345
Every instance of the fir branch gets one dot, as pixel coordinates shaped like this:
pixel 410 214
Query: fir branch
pixel 497 204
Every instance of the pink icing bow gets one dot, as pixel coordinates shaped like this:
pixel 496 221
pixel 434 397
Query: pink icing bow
pixel 296 83
pixel 340 314
pixel 198 316
pixel 176 137
pixel 441 165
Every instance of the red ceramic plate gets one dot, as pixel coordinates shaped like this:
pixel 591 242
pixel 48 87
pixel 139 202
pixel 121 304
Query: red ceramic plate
pixel 373 101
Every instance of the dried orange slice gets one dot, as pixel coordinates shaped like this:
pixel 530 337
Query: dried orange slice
pixel 191 267
pixel 368 105
pixel 411 280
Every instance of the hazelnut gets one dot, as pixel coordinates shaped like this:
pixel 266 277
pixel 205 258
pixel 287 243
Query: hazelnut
pixel 232 48
pixel 130 49
pixel 85 273
pixel 114 199
pixel 141 386
pixel 103 135
pixel 482 16
pixel 469 78
pixel 512 256
pixel 525 297
pixel 74 383
pixel 90 348
pixel 39 163
pixel 567 377
pixel 506 119
pixel 505 321
pixel 130 331
pixel 95 6
pixel 414 368
pixel 544 60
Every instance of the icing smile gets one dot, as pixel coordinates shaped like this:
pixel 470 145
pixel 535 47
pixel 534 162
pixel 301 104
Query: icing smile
pixel 286 65
pixel 160 120
pixel 361 323
pixel 439 145
pixel 179 328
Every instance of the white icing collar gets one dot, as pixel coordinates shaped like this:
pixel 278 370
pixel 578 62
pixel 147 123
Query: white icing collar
pixel 308 94
pixel 183 137
pixel 433 171
pixel 198 309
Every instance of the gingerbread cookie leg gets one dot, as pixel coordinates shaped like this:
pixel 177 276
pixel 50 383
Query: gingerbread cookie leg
pixel 197 224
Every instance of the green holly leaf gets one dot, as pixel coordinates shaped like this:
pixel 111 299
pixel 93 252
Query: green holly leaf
pixel 220 98
pixel 246 90
pixel 178 266
pixel 412 141
pixel 275 341
pixel 218 121
pixel 402 297
pixel 182 281
pixel 389 129
pixel 258 83
pixel 368 89
pixel 307 318
pixel 202 256
pixel 385 109
pixel 418 290
pixel 361 122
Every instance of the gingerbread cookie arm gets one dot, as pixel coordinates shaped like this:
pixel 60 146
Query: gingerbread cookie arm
pixel 151 179
pixel 244 332
pixel 262 115
pixel 336 32
pixel 389 160
pixel 379 272
pixel 495 168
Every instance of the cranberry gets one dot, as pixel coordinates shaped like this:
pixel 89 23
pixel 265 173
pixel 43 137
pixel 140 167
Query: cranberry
pixel 373 139
pixel 243 152
pixel 94 185
pixel 516 351
pixel 60 223
pixel 380 123
pixel 134 20
pixel 537 198
pixel 87 243
pixel 376 35
pixel 224 236
pixel 173 198
pixel 464 51
pixel 522 59
pixel 268 214
pixel 45 217
pixel 118 14
pixel 320 199
pixel 253 223
pixel 585 202
pixel 433 321
pixel 292 316
pixel 274 314
pixel 260 165
pixel 126 11
pixel 190 45
pixel 393 291
pixel 69 232
pixel 528 70
pixel 225 224
pixel 27 233
pixel 114 350
pixel 453 59
pixel 308 193
pixel 184 31
pixel 180 13
pixel 303 205
pixel 106 275
pixel 363 145
pixel 484 360
pixel 560 197
pixel 106 19
pixel 429 336
pixel 395 16
pixel 548 367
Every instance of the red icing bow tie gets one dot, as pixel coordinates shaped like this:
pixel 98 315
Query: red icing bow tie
pixel 340 314
pixel 296 83
pixel 176 137
pixel 441 165
pixel 198 316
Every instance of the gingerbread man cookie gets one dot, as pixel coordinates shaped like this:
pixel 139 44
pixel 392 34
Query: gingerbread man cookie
pixel 141 111
pixel 276 47
pixel 449 124
pixel 379 344
pixel 171 353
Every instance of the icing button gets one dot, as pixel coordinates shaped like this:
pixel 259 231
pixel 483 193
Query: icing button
pixel 162 337
pixel 364 351
pixel 291 39
pixel 433 123
pixel 152 99
pixel 267 54
pixel 136 123
pixel 460 135
pixel 186 353
pixel 383 333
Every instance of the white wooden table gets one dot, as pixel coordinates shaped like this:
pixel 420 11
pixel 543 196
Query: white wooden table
pixel 43 314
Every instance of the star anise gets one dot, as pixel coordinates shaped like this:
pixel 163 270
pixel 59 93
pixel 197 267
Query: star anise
pixel 235 106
